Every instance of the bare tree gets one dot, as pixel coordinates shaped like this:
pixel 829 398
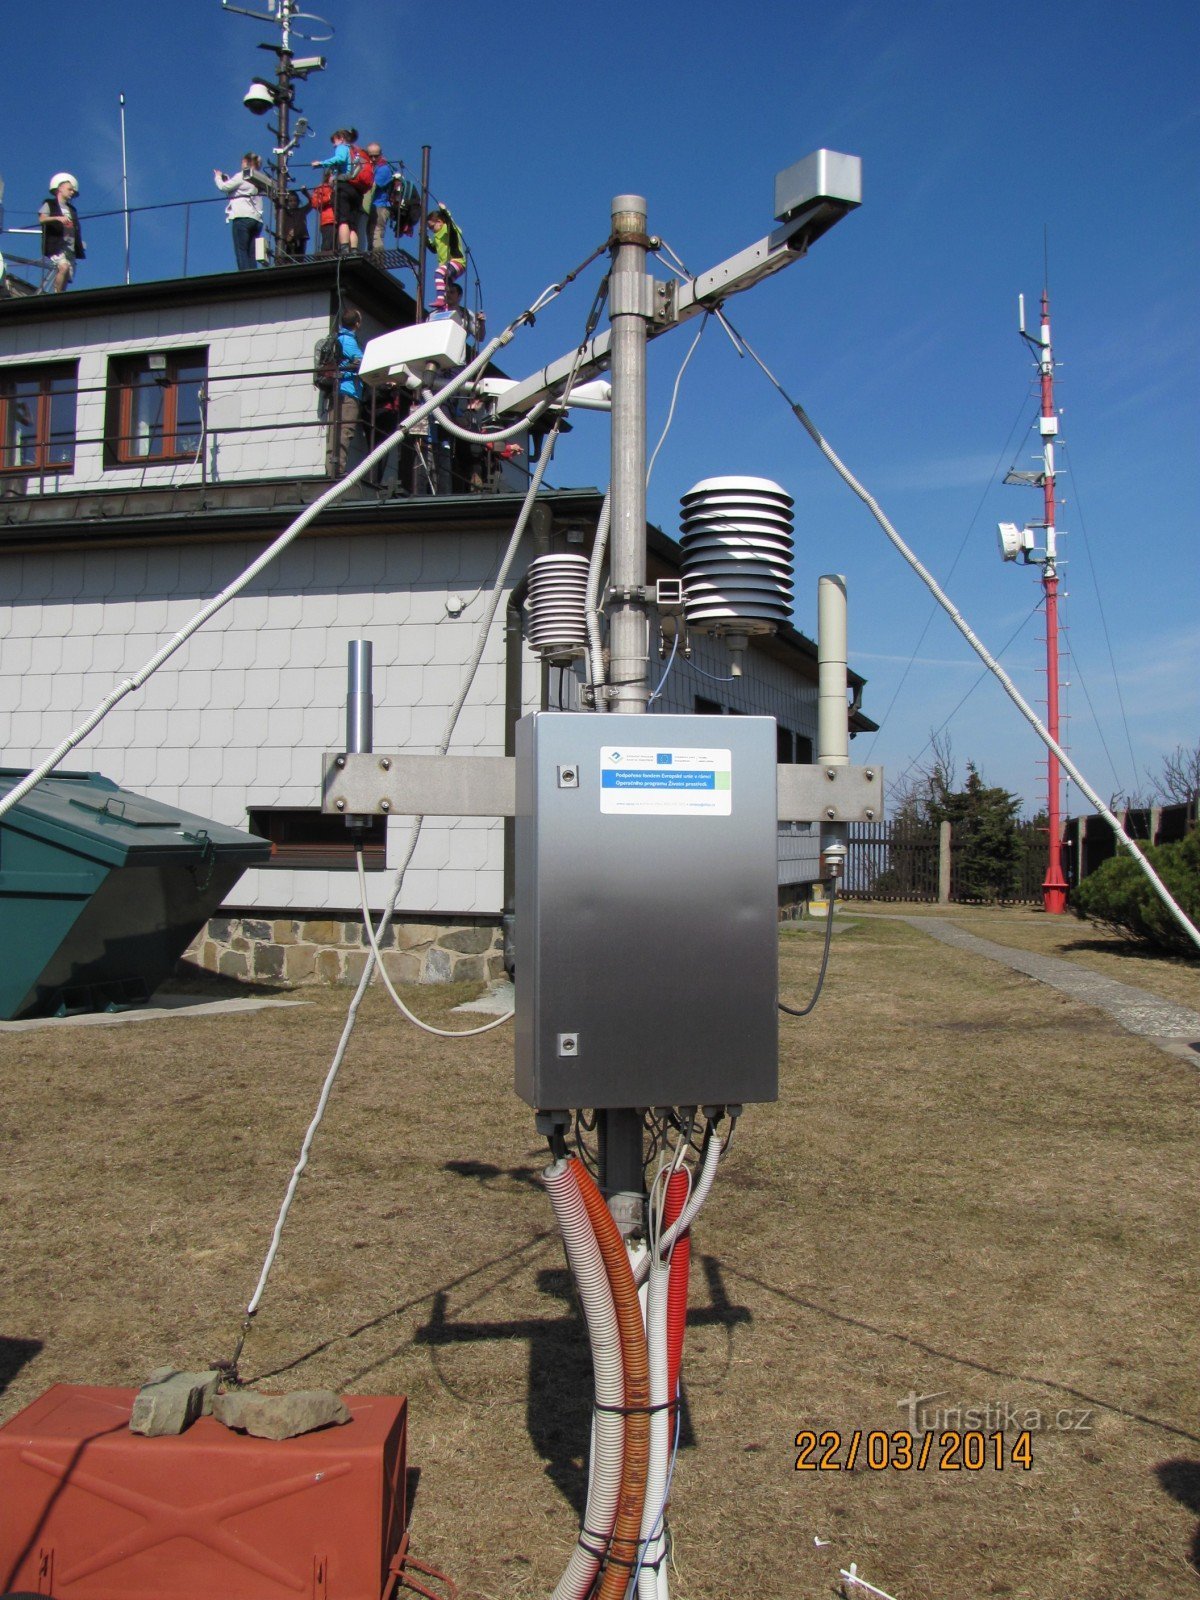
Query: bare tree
pixel 919 795
pixel 1178 779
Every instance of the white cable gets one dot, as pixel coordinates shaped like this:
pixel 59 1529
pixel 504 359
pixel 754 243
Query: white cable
pixel 397 883
pixel 982 652
pixel 398 879
pixel 456 431
pixel 675 394
pixel 441 1033
pixel 704 1182
pixel 592 598
pixel 650 1536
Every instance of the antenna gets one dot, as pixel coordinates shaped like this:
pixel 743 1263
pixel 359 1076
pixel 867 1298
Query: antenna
pixel 263 96
pixel 125 186
pixel 1016 542
pixel 1021 313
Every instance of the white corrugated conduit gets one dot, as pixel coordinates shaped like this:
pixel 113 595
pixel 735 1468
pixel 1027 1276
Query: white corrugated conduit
pixel 595 1294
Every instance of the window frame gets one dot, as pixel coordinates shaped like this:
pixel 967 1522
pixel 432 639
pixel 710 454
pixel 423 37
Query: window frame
pixel 130 372
pixel 44 372
pixel 331 847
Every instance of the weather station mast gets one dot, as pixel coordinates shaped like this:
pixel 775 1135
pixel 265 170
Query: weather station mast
pixel 1021 542
pixel 279 95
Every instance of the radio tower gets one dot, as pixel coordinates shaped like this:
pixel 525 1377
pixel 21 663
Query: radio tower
pixel 1014 542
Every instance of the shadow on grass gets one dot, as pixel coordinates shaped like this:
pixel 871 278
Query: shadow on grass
pixel 15 1354
pixel 485 1172
pixel 559 1392
pixel 1181 1480
pixel 907 1339
pixel 1131 950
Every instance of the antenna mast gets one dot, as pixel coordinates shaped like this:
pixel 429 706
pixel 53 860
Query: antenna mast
pixel 1021 542
pixel 281 97
pixel 1054 885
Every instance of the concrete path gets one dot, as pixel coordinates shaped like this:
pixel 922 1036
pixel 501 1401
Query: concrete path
pixel 1174 1028
pixel 165 1005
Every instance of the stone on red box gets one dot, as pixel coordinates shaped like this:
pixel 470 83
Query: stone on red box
pixel 94 1512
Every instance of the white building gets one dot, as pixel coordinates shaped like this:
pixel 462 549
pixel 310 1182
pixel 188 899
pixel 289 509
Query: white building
pixel 153 439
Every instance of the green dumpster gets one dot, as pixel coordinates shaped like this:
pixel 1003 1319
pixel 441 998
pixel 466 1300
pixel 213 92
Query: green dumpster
pixel 102 890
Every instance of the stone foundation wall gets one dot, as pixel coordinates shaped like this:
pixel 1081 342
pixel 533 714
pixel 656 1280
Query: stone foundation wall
pixel 302 950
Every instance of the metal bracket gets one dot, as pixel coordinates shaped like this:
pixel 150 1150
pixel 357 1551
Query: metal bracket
pixel 486 786
pixel 830 794
pixel 631 294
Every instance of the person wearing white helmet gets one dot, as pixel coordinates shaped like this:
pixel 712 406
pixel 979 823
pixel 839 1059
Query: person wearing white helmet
pixel 62 239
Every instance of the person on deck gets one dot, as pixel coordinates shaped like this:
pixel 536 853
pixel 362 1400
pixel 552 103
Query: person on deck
pixel 244 212
pixel 446 242
pixel 347 202
pixel 62 240
pixel 321 200
pixel 381 200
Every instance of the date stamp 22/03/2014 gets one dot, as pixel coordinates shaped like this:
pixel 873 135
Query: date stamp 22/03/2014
pixel 951 1450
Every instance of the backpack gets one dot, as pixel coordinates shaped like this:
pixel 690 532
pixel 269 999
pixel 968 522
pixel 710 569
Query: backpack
pixel 327 355
pixel 404 202
pixel 362 170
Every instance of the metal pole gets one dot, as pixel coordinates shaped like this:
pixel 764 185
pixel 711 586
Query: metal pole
pixel 833 711
pixel 359 699
pixel 629 307
pixel 629 304
pixel 283 105
pixel 125 187
pixel 421 237
pixel 187 228
pixel 1054 885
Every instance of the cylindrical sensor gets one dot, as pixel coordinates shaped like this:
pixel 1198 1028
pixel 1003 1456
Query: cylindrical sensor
pixel 359 701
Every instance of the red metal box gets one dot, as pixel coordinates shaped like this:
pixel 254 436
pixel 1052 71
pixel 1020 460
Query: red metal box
pixel 90 1511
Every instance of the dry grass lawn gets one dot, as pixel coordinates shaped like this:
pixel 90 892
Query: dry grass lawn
pixel 971 1187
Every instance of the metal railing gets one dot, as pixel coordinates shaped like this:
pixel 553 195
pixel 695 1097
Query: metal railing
pixel 426 465
pixel 396 259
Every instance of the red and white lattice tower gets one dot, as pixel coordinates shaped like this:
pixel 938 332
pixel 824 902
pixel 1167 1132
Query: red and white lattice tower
pixel 1014 542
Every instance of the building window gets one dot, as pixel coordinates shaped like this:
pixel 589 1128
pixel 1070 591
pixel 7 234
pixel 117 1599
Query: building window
pixel 37 418
pixel 708 708
pixel 154 407
pixel 318 840
pixel 792 748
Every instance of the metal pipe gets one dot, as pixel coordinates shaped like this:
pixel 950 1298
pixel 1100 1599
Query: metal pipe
pixel 628 309
pixel 620 1130
pixel 422 236
pixel 125 188
pixel 359 698
pixel 833 722
pixel 833 711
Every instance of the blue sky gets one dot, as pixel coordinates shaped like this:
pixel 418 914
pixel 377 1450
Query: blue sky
pixel 981 127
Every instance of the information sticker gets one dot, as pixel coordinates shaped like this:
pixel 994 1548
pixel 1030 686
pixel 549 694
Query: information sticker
pixel 649 781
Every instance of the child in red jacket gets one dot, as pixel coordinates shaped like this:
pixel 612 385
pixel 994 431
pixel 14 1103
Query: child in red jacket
pixel 321 200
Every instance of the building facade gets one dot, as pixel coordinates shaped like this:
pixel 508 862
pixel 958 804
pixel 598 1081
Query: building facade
pixel 152 440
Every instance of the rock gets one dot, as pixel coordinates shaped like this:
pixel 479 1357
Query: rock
pixel 170 1401
pixel 279 1416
